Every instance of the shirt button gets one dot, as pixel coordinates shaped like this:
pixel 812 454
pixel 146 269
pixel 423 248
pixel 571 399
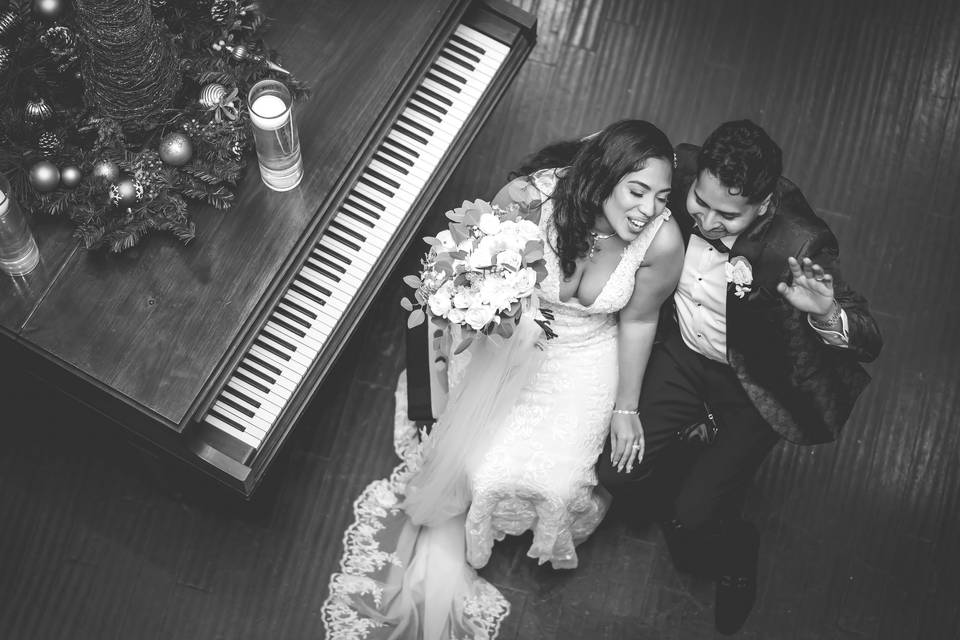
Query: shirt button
pixel 699 335
pixel 699 278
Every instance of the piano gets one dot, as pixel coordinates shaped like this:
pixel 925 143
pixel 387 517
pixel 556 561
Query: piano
pixel 208 353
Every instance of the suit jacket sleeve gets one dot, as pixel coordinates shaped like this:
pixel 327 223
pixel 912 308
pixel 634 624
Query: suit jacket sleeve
pixel 863 332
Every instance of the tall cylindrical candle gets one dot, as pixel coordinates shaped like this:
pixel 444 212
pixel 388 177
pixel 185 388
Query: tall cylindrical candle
pixel 275 135
pixel 19 254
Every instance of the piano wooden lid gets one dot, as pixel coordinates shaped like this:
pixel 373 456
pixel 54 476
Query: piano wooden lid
pixel 154 323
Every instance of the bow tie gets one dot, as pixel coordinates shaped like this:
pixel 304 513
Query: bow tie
pixel 716 244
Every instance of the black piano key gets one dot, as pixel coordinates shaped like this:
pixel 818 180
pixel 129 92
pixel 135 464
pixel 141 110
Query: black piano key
pixel 404 155
pixel 379 176
pixel 416 125
pixel 368 200
pixel 424 112
pixel 356 234
pixel 356 203
pixel 316 268
pixel 236 405
pixel 356 216
pixel 270 380
pixel 455 77
pixel 240 375
pixel 410 134
pixel 240 394
pixel 291 317
pixel 297 331
pixel 303 282
pixel 307 294
pixel 427 91
pixel 468 45
pixel 457 61
pixel 425 103
pixel 264 364
pixel 230 421
pixel 443 81
pixel 263 344
pixel 317 255
pixel 382 157
pixel 279 340
pixel 342 240
pixel 469 55
pixel 301 309
pixel 378 187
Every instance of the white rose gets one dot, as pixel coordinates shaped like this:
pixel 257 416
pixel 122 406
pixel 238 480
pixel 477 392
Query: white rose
pixel 496 293
pixel 509 227
pixel 738 272
pixel 455 316
pixel 466 246
pixel 479 316
pixel 508 258
pixel 463 299
pixel 489 224
pixel 446 240
pixel 524 281
pixel 439 304
pixel 480 258
pixel 528 230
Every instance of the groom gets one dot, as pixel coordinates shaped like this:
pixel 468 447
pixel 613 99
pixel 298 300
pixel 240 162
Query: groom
pixel 761 343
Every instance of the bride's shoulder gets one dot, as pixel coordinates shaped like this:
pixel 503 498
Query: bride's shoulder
pixel 667 241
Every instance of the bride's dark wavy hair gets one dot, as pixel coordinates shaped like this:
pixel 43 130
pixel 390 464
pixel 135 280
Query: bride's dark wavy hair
pixel 595 166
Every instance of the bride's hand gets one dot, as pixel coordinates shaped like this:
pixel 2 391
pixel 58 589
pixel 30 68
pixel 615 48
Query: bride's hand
pixel 626 441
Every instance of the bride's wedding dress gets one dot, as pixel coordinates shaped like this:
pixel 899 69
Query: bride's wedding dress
pixel 402 579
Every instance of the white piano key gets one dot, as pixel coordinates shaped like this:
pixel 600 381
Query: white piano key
pixel 254 426
pixel 494 48
pixel 272 377
pixel 273 399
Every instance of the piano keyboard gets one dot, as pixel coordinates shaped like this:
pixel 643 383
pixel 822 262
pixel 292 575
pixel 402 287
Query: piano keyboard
pixel 308 312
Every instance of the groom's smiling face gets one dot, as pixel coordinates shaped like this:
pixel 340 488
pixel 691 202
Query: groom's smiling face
pixel 719 213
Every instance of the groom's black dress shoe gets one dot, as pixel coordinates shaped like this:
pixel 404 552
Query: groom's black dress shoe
pixel 737 584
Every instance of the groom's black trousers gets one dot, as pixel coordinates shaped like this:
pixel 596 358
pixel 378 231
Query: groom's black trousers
pixel 692 486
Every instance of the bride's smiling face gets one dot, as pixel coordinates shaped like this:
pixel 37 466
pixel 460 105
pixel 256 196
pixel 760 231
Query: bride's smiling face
pixel 636 199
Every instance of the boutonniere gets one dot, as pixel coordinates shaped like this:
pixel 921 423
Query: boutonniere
pixel 739 276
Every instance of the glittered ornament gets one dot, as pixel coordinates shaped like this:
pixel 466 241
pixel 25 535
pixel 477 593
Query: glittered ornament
pixel 48 9
pixel 220 9
pixel 37 110
pixel 70 176
pixel 211 94
pixel 126 192
pixel 44 176
pixel 9 23
pixel 49 143
pixel 59 41
pixel 5 56
pixel 107 170
pixel 176 149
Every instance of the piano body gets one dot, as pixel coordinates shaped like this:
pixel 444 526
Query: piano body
pixel 209 352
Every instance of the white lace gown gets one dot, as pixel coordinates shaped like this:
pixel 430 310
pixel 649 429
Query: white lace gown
pixel 537 475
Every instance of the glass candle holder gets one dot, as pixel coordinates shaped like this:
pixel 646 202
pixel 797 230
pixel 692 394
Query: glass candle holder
pixel 275 135
pixel 19 254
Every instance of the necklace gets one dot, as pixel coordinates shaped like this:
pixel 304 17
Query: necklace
pixel 595 244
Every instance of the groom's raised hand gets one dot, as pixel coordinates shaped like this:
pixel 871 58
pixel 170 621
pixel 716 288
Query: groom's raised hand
pixel 811 290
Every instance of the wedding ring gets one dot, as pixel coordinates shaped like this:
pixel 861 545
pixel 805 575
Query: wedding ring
pixel 636 446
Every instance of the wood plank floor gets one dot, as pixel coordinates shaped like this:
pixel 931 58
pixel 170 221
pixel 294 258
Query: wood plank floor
pixel 860 538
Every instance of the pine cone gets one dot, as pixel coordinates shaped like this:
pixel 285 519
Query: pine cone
pixel 5 56
pixel 220 10
pixel 49 143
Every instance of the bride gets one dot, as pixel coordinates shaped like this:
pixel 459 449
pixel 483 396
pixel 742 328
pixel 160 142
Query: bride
pixel 509 458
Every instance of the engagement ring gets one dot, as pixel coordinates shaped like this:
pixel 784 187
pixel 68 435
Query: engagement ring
pixel 636 446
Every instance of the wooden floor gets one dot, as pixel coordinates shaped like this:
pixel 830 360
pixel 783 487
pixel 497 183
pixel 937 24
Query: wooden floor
pixel 861 539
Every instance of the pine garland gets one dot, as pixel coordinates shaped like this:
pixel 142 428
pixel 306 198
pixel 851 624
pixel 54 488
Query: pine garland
pixel 52 62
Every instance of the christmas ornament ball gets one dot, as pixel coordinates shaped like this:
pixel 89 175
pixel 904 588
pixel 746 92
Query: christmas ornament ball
pixel 37 110
pixel 107 170
pixel 48 9
pixel 70 176
pixel 176 149
pixel 126 192
pixel 9 23
pixel 44 176
pixel 5 56
pixel 211 94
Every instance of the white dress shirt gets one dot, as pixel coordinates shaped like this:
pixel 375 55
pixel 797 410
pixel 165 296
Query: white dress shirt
pixel 701 300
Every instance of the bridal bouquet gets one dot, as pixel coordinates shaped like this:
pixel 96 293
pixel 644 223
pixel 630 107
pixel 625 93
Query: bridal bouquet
pixel 480 273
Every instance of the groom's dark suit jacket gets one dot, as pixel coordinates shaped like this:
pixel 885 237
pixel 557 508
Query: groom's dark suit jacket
pixel 803 387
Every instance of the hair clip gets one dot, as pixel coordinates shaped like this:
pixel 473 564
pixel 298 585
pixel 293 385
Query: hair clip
pixel 675 162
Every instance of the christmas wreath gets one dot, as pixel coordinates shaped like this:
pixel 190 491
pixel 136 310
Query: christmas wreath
pixel 115 113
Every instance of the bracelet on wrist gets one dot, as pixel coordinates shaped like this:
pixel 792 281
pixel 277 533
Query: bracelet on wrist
pixel 626 411
pixel 832 319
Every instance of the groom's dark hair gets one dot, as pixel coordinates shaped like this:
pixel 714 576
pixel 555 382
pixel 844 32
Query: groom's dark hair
pixel 744 158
